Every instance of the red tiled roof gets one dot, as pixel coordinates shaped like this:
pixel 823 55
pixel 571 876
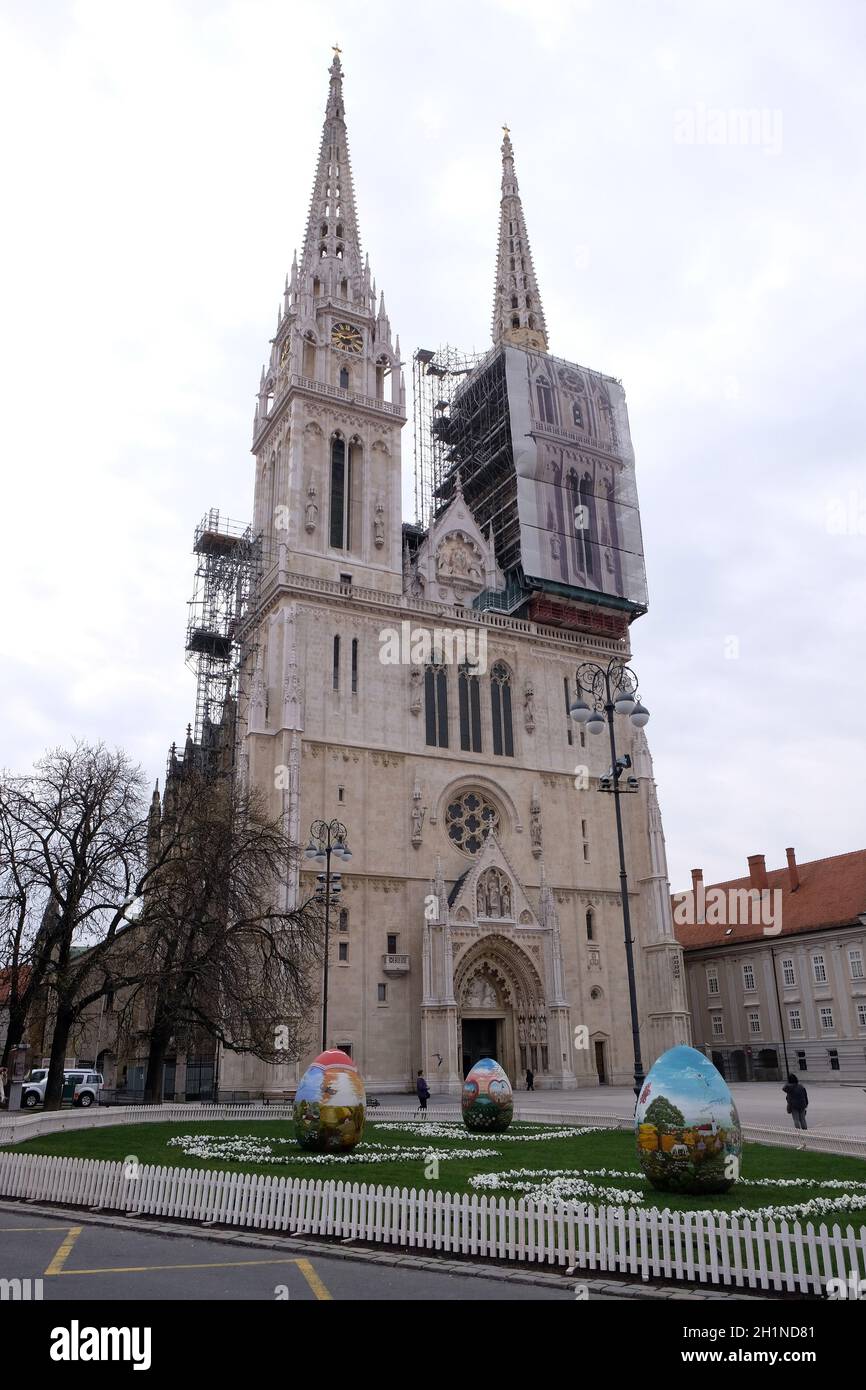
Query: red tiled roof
pixel 831 893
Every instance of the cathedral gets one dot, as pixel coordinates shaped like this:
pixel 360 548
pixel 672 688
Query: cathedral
pixel 414 681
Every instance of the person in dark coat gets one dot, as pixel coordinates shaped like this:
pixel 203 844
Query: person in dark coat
pixel 530 1080
pixel 423 1091
pixel 795 1094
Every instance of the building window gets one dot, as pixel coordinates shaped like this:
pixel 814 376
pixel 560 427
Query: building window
pixel 341 793
pixel 718 1025
pixel 568 720
pixel 354 665
pixel 545 401
pixel 335 679
pixel 500 710
pixel 382 994
pixel 578 417
pixel 826 1018
pixel 855 961
pixel 861 1015
pixel 754 1021
pixel 392 943
pixel 584 835
pixel 344 378
pixel 469 819
pixel 469 698
pixel 343 920
pixel 344 952
pixel 590 922
pixel 795 1022
pixel 834 1058
pixel 436 706
pixel 801 1062
pixel 748 977
pixel 345 1047
pixel 820 970
pixel 712 980
pixel 340 494
pixel 789 979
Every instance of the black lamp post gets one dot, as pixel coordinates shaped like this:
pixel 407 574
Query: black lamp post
pixel 613 690
pixel 327 838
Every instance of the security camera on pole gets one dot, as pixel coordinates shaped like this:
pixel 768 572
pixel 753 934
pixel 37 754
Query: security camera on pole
pixel 614 690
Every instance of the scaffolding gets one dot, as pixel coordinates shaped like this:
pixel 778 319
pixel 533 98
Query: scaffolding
pixel 436 376
pixel 228 570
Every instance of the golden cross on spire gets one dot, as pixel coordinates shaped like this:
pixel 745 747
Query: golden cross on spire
pixel 337 49
pixel 506 129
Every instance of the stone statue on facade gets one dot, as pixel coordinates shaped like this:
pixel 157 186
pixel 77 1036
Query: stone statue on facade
pixel 312 510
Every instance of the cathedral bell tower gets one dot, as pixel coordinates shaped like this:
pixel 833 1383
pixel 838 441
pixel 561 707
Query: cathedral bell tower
pixel 331 400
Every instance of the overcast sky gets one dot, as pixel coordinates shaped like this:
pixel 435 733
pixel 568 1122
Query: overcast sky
pixel 157 166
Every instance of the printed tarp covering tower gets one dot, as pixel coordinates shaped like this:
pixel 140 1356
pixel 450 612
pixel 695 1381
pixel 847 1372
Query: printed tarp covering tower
pixel 543 451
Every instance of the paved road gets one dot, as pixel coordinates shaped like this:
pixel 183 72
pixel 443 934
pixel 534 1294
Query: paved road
pixel 95 1263
pixel 841 1108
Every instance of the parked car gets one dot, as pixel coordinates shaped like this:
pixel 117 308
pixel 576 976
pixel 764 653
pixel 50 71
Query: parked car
pixel 81 1086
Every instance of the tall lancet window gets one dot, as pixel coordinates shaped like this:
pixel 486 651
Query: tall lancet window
pixel 469 699
pixel 436 706
pixel 500 710
pixel 341 492
pixel 545 400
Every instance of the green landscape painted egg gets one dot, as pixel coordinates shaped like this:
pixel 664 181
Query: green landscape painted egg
pixel 686 1124
pixel 330 1104
pixel 487 1102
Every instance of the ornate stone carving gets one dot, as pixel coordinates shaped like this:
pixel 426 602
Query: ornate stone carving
pixel 379 526
pixel 418 813
pixel 529 707
pixel 416 680
pixel 312 510
pixel 535 830
pixel 493 895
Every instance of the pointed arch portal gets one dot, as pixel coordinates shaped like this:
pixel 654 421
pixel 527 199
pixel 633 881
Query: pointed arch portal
pixel 501 1008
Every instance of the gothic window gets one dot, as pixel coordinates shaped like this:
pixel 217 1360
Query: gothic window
pixel 529 301
pixel 590 924
pixel 344 289
pixel 344 378
pixel 341 491
pixel 323 251
pixel 354 665
pixel 568 719
pixel 578 415
pixel 324 229
pixel 339 253
pixel 343 924
pixel 588 502
pixel 545 400
pixel 468 691
pixel 515 321
pixel 531 320
pixel 436 706
pixel 335 679
pixel 339 230
pixel 500 710
pixel 317 287
pixel 469 819
pixel 514 301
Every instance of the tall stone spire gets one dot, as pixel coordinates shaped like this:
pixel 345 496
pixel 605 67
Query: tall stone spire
pixel 518 316
pixel 332 239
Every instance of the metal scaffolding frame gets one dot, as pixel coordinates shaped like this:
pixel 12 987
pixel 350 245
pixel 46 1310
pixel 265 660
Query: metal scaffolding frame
pixel 228 571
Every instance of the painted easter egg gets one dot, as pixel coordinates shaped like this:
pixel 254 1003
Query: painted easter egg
pixel 487 1101
pixel 686 1125
pixel 330 1104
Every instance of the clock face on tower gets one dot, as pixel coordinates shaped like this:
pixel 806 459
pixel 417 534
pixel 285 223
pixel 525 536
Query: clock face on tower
pixel 347 337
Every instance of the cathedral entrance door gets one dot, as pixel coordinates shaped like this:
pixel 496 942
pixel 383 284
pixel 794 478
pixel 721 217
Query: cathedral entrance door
pixel 480 1039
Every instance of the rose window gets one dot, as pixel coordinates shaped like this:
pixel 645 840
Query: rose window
pixel 469 820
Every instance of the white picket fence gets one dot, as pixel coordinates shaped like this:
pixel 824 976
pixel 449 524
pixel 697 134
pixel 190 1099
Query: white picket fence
pixel 700 1247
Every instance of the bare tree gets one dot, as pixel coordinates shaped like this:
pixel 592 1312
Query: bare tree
pixel 223 955
pixel 78 827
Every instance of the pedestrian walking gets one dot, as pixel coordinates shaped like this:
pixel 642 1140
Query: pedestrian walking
pixel 797 1098
pixel 423 1091
pixel 530 1080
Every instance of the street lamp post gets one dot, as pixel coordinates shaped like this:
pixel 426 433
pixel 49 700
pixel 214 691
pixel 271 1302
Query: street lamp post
pixel 327 838
pixel 613 690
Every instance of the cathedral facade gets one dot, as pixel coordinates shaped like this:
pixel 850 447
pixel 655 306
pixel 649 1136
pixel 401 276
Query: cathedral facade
pixel 414 682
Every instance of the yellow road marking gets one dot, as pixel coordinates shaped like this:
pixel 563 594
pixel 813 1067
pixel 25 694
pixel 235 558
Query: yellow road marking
pixel 52 1230
pixel 64 1251
pixel 313 1279
pixel 214 1264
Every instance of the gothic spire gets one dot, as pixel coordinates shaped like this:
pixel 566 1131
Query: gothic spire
pixel 518 316
pixel 332 236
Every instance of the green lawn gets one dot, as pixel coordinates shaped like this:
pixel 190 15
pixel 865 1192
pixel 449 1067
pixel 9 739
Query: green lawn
pixel 605 1149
